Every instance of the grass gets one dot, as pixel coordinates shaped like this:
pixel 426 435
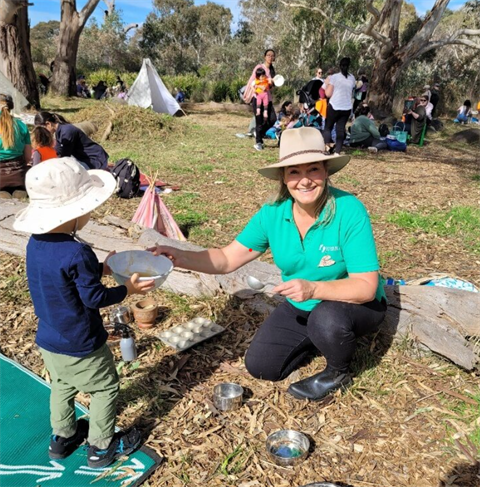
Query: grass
pixel 231 465
pixel 461 222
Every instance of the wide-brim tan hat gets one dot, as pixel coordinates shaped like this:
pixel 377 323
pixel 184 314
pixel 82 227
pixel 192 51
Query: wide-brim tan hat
pixel 303 146
pixel 61 190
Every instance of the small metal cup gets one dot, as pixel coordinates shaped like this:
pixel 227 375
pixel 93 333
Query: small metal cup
pixel 287 438
pixel 227 396
pixel 122 315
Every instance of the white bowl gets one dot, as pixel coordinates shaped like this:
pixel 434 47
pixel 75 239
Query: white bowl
pixel 149 266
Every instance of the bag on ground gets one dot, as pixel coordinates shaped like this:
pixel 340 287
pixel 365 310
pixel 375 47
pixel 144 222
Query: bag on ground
pixel 127 175
pixel 395 145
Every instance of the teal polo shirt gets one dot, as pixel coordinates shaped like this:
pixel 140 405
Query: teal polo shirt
pixel 22 138
pixel 327 253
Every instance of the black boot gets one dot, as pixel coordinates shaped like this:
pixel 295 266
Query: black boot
pixel 319 385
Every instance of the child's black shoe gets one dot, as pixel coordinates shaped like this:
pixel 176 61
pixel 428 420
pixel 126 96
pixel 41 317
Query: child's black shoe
pixel 61 447
pixel 121 444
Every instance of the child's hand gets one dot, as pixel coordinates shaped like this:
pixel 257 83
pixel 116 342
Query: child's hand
pixel 134 286
pixel 106 268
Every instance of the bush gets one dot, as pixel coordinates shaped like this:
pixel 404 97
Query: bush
pixel 235 85
pixel 220 91
pixel 110 77
pixel 281 93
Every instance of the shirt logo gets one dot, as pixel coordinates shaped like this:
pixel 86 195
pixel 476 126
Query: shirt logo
pixel 323 248
pixel 326 261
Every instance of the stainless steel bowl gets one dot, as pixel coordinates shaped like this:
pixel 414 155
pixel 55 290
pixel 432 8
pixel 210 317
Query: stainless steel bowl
pixel 227 396
pixel 287 447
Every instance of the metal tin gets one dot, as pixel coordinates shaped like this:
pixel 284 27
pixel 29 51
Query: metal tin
pixel 122 315
pixel 227 396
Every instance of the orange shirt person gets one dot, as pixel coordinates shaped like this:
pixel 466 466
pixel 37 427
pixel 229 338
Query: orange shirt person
pixel 43 145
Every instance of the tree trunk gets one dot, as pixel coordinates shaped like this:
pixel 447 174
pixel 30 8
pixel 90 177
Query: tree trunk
pixel 71 26
pixel 382 84
pixel 64 75
pixel 15 56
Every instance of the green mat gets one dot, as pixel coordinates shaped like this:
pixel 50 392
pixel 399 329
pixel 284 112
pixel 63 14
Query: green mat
pixel 25 434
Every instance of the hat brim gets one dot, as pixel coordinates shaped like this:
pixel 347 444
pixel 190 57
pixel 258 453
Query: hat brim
pixel 335 163
pixel 38 219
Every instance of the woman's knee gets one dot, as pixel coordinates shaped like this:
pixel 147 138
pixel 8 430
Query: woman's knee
pixel 260 366
pixel 330 319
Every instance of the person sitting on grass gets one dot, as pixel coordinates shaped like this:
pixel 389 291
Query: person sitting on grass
pixel 418 119
pixel 64 279
pixel 15 151
pixel 364 132
pixel 322 241
pixel 43 145
pixel 70 141
pixel 464 112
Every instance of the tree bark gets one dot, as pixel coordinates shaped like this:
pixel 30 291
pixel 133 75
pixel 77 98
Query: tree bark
pixel 382 84
pixel 71 26
pixel 15 54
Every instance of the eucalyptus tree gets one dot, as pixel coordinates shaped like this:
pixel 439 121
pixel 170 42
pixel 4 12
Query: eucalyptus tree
pixel 381 27
pixel 15 54
pixel 72 23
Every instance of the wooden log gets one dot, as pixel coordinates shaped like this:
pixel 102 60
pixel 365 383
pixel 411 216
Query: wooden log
pixel 442 319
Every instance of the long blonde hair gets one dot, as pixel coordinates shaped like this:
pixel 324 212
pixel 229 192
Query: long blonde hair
pixel 7 126
pixel 325 201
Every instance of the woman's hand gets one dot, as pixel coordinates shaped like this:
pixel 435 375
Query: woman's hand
pixel 106 268
pixel 170 252
pixel 297 290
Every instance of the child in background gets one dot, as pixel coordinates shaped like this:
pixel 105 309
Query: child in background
pixel 43 145
pixel 64 278
pixel 261 86
pixel 294 121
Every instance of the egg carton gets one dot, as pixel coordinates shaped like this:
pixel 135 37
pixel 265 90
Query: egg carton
pixel 189 334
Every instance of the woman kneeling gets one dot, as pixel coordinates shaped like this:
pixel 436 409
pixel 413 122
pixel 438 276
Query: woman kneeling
pixel 322 241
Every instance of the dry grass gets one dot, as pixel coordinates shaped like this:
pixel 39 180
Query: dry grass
pixel 410 419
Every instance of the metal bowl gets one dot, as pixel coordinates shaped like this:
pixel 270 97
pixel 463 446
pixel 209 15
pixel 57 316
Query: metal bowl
pixel 227 396
pixel 287 447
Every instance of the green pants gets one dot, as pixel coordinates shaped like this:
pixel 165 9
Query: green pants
pixel 94 374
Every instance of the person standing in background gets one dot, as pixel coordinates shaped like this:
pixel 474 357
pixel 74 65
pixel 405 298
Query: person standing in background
pixel 339 88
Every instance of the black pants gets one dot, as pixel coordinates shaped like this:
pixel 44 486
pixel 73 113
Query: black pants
pixel 370 142
pixel 288 335
pixel 339 117
pixel 262 125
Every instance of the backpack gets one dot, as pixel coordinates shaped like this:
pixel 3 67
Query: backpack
pixel 127 175
pixel 383 130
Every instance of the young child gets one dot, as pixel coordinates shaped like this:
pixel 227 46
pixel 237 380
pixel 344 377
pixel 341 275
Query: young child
pixel 43 145
pixel 261 86
pixel 67 293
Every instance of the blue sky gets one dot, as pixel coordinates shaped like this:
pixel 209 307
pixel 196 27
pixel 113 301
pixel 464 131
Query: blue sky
pixel 137 10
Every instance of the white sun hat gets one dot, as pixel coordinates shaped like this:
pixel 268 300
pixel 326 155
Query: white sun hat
pixel 61 190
